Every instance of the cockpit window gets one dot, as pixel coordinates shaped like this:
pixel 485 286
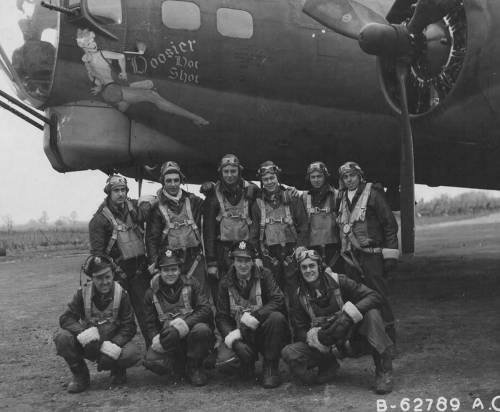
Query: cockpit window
pixel 181 15
pixel 234 23
pixel 106 11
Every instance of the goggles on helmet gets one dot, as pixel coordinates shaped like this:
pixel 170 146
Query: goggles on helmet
pixel 350 167
pixel 311 254
pixel 318 167
pixel 268 169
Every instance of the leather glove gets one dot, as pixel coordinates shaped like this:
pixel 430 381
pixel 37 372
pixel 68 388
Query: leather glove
pixel 213 272
pixel 337 331
pixel 243 351
pixel 313 340
pixel 181 326
pixel 207 188
pixel 111 349
pixel 156 345
pixel 169 338
pixel 250 321
pixel 91 350
pixel 389 265
pixel 105 363
pixel 88 335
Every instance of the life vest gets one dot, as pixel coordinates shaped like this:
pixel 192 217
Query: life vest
pixel 180 229
pixel 322 221
pixel 168 311
pixel 238 304
pixel 276 225
pixel 353 224
pixel 234 220
pixel 96 317
pixel 127 235
pixel 306 304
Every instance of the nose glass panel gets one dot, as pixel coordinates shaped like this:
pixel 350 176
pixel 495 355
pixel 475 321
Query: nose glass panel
pixel 29 35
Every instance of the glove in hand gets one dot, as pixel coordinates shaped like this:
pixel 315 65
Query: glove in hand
pixel 170 338
pixel 337 331
pixel 105 363
pixel 91 350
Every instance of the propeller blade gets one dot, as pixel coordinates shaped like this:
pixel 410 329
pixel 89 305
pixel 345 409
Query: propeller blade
pixel 407 168
pixel 346 17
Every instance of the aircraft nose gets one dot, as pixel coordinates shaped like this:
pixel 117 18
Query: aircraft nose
pixel 28 44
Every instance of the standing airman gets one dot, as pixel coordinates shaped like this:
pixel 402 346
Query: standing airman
pixel 369 235
pixel 320 202
pixel 227 217
pixel 175 224
pixel 279 226
pixel 116 229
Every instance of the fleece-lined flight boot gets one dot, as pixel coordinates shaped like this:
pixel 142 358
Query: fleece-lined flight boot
pixel 383 372
pixel 270 374
pixel 196 373
pixel 81 377
pixel 118 376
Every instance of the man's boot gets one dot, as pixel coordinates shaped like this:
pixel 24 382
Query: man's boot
pixel 271 374
pixel 118 376
pixel 383 372
pixel 81 377
pixel 195 372
pixel 327 370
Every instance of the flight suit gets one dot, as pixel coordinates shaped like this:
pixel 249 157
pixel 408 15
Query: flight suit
pixel 164 304
pixel 176 226
pixel 319 309
pixel 111 314
pixel 369 235
pixel 226 221
pixel 119 234
pixel 262 299
pixel 323 231
pixel 278 227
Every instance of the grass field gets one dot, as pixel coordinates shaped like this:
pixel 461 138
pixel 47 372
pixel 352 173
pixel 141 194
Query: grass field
pixel 446 300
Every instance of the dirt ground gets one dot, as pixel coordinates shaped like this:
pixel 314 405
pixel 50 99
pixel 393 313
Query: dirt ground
pixel 446 299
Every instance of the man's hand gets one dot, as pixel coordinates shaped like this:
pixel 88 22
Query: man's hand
pixel 259 263
pixel 91 350
pixel 243 351
pixel 207 188
pixel 152 269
